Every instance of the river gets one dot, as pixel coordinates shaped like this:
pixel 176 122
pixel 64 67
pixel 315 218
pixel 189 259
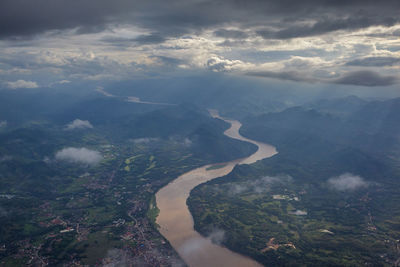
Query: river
pixel 176 222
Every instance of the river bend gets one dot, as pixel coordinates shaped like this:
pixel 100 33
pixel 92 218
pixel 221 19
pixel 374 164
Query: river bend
pixel 176 222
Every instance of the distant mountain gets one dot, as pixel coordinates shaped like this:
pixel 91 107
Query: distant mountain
pixel 41 126
pixel 332 190
pixel 101 110
pixel 233 97
pixel 186 123
pixel 373 127
pixel 338 106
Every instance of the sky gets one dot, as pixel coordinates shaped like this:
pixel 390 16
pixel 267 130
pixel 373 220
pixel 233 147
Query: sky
pixel 44 43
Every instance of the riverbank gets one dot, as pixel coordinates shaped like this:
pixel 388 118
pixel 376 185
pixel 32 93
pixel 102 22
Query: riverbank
pixel 176 222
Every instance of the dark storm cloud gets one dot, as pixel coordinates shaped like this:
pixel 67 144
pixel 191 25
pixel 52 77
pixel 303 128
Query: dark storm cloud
pixel 326 26
pixel 168 61
pixel 359 78
pixel 179 17
pixel 24 17
pixel 366 78
pixel 284 75
pixel 375 62
pixel 153 38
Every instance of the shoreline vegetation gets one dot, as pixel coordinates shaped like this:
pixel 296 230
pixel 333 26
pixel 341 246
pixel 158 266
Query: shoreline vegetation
pixel 58 211
pixel 326 199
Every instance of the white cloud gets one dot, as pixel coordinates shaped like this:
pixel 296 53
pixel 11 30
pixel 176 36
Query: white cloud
pixel 91 57
pixel 145 140
pixel 3 124
pixel 217 236
pixel 299 213
pixel 221 64
pixel 187 142
pixel 260 185
pixel 64 81
pixel 22 84
pixel 347 182
pixel 79 124
pixel 79 155
pixel 196 244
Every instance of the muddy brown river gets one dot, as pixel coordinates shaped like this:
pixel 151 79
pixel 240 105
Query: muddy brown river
pixel 176 222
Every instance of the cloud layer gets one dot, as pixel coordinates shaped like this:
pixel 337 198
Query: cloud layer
pixel 79 124
pixel 22 84
pixel 196 244
pixel 347 182
pixel 79 155
pixel 276 19
pixel 145 140
pixel 352 42
pixel 260 185
pixel 366 78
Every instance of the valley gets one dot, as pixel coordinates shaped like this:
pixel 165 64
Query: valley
pixel 175 220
